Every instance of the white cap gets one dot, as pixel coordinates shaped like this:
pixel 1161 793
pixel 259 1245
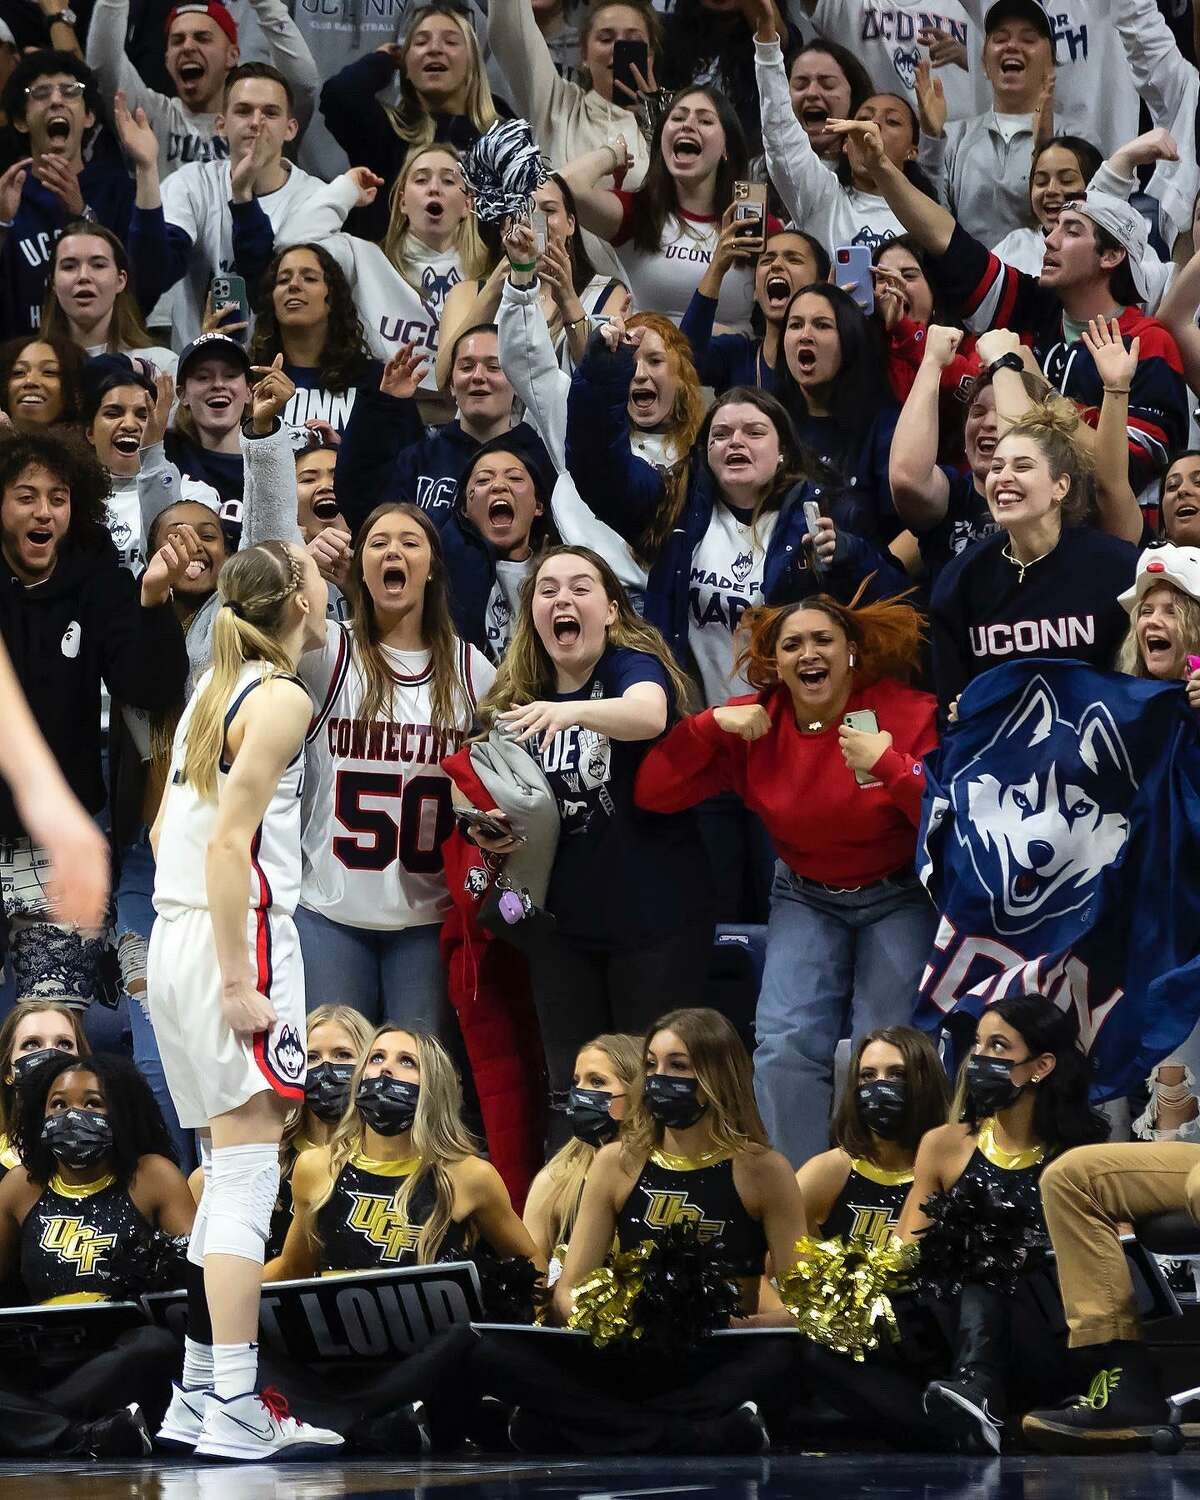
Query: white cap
pixel 1178 566
pixel 6 33
pixel 198 493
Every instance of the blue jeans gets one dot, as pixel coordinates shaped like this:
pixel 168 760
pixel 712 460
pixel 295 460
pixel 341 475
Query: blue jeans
pixel 831 957
pixel 135 916
pixel 393 975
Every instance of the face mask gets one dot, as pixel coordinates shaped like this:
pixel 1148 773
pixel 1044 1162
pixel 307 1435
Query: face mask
pixel 78 1137
pixel 327 1090
pixel 672 1101
pixel 989 1084
pixel 881 1105
pixel 24 1065
pixel 587 1110
pixel 388 1105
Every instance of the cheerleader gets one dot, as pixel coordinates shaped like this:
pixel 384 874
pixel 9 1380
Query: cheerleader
pixel 1025 1101
pixel 31 1034
pixel 400 1182
pixel 856 1190
pixel 396 691
pixel 96 1175
pixel 606 1071
pixel 225 982
pixel 338 1035
pixel 692 1150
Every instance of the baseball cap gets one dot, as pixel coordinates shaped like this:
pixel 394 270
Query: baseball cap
pixel 213 10
pixel 1125 224
pixel 6 34
pixel 1018 10
pixel 1179 566
pixel 212 343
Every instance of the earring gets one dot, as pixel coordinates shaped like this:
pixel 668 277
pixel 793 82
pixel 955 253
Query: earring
pixel 853 659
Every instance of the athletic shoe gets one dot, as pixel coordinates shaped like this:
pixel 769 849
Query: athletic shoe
pixel 183 1420
pixel 967 1406
pixel 252 1428
pixel 403 1432
pixel 529 1432
pixel 1123 1408
pixel 122 1434
pixel 743 1432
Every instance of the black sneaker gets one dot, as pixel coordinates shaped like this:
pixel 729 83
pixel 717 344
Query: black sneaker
pixel 743 1432
pixel 122 1434
pixel 971 1409
pixel 402 1433
pixel 530 1432
pixel 1122 1409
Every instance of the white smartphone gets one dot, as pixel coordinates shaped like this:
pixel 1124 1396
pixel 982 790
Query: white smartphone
pixel 541 229
pixel 812 514
pixel 865 720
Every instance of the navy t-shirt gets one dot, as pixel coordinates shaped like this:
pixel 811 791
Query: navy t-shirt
pixel 622 878
pixel 967 520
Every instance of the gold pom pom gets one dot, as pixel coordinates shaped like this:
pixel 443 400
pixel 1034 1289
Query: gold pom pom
pixel 602 1303
pixel 839 1291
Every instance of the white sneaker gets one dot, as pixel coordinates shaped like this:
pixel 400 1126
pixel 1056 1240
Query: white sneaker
pixel 253 1428
pixel 183 1420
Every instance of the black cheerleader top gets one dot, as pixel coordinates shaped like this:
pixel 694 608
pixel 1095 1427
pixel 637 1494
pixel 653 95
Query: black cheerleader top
pixel 868 1207
pixel 1016 1174
pixel 359 1227
pixel 700 1190
pixel 69 1235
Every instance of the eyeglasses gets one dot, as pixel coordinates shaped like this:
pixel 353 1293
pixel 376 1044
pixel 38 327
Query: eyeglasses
pixel 41 93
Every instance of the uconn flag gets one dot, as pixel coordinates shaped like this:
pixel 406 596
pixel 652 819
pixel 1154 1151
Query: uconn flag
pixel 1060 838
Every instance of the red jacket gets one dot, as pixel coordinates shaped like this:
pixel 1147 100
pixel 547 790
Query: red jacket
pixel 489 989
pixel 825 826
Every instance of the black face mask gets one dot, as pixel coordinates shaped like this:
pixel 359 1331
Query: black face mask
pixel 327 1090
pixel 78 1137
pixel 881 1105
pixel 989 1084
pixel 672 1101
pixel 388 1105
pixel 24 1065
pixel 587 1110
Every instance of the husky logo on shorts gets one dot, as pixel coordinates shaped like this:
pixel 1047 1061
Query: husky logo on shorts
pixel 289 1053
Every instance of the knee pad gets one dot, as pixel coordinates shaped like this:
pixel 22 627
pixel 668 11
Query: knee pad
pixel 245 1186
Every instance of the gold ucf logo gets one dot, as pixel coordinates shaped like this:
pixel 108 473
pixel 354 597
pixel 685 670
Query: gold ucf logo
pixel 382 1225
pixel 672 1207
pixel 77 1242
pixel 871 1226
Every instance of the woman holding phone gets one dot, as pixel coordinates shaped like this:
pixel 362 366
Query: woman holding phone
pixel 850 926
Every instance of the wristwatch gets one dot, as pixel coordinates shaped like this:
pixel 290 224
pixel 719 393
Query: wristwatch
pixel 1009 361
pixel 66 14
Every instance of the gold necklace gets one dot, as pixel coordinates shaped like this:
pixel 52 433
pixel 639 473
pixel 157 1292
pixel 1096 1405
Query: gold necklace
pixel 1023 567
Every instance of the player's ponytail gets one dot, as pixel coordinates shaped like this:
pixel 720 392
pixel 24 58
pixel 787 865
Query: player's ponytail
pixel 254 587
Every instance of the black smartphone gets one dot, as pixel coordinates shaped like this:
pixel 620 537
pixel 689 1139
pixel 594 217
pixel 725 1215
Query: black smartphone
pixel 628 53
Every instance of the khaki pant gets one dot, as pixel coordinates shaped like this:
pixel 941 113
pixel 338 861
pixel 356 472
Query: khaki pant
pixel 1086 1194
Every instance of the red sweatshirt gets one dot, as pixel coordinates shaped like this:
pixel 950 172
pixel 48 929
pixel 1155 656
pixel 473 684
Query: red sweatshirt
pixel 825 825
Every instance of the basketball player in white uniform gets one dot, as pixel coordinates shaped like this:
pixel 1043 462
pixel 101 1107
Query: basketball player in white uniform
pixel 377 802
pixel 225 980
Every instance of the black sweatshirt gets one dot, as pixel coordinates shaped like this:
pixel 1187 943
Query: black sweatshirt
pixel 982 614
pixel 85 624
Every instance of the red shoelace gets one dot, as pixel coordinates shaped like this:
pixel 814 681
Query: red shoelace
pixel 275 1402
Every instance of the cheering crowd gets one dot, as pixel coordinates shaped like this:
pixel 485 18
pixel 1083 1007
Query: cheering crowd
pixel 523 489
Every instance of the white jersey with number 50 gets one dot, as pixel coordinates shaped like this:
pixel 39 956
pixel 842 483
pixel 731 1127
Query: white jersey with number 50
pixel 377 802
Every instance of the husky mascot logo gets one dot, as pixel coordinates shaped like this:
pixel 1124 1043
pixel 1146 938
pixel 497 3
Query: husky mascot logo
pixel 289 1053
pixel 742 565
pixel 1036 825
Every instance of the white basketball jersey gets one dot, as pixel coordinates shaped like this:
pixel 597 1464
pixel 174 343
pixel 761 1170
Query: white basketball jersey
pixel 189 820
pixel 377 803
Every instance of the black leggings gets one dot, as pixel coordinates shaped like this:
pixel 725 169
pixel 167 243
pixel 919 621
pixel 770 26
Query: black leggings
pixel 581 992
pixel 41 1418
pixel 610 1401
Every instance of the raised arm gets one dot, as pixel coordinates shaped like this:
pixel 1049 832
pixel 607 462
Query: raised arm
pixel 640 713
pixel 265 736
pixel 931 225
pixel 269 501
pixel 808 188
pixel 115 73
pixel 920 489
pixel 466 306
pixel 1120 514
pixel 527 357
pixel 288 51
pixel 600 209
pixel 1177 311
